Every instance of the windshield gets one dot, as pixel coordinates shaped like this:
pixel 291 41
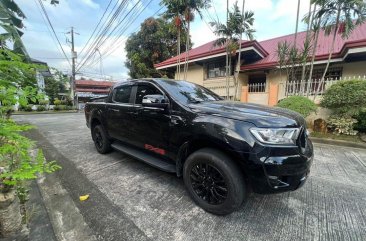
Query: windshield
pixel 186 92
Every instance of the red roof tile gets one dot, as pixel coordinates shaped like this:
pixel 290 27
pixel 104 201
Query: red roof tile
pixel 269 47
pixel 94 83
pixel 92 90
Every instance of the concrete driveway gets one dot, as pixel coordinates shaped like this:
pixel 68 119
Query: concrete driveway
pixel 133 201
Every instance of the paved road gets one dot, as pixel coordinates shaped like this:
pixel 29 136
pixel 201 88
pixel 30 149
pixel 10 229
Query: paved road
pixel 133 201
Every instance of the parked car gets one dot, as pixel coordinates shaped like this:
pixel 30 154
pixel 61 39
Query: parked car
pixel 223 149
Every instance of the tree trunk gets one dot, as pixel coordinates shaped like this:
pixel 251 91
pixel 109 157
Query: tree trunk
pixel 178 54
pixel 309 27
pixel 236 74
pixel 330 53
pixel 187 49
pixel 313 57
pixel 227 52
pixel 10 217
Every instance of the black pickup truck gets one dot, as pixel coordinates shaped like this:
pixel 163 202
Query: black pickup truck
pixel 222 148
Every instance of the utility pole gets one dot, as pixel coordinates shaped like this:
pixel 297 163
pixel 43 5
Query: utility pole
pixel 73 72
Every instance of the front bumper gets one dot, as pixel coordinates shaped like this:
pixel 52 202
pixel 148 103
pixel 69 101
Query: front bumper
pixel 276 169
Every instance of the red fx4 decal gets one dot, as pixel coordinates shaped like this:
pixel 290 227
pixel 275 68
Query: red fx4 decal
pixel 155 149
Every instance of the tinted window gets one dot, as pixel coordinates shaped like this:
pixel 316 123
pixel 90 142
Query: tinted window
pixel 143 90
pixel 122 94
pixel 186 92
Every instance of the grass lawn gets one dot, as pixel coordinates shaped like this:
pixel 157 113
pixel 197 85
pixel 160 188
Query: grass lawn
pixel 337 137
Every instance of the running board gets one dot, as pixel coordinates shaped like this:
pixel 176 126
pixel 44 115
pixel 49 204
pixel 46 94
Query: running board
pixel 145 157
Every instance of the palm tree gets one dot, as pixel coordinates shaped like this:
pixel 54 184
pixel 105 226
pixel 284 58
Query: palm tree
pixel 231 32
pixel 338 17
pixel 175 11
pixel 192 7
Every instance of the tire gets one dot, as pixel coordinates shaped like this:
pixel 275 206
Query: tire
pixel 101 141
pixel 207 173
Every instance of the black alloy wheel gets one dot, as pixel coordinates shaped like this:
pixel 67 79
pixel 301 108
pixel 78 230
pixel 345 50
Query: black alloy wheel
pixel 101 141
pixel 214 181
pixel 208 183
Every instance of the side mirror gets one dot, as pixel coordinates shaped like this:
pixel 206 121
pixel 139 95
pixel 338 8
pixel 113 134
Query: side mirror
pixel 158 101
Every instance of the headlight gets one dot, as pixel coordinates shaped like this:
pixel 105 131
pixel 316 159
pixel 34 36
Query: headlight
pixel 276 135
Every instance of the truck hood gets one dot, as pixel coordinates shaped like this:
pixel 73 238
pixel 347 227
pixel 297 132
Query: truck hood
pixel 259 115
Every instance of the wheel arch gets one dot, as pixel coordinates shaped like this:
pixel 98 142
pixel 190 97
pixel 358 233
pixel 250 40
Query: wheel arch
pixel 198 143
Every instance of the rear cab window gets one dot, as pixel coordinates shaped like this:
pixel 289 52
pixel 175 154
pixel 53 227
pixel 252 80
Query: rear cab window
pixel 122 94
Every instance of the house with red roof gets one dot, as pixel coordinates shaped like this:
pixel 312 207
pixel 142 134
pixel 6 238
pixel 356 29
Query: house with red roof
pixel 259 65
pixel 85 90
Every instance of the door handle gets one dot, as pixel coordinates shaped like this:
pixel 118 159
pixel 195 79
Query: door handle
pixel 114 110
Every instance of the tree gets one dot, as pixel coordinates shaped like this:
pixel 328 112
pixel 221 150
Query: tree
pixel 11 20
pixel 175 11
pixel 192 7
pixel 155 42
pixel 55 84
pixel 338 17
pixel 231 32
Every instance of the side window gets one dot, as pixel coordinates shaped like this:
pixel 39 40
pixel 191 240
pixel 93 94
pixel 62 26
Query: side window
pixel 122 94
pixel 143 90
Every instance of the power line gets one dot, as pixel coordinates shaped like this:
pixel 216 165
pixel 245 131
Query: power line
pixel 96 42
pixel 100 20
pixel 114 45
pixel 48 28
pixel 53 30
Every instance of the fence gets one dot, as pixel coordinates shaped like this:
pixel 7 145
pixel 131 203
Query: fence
pixel 257 87
pixel 315 86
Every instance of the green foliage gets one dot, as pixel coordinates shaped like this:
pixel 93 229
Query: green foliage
pixel 361 122
pixel 300 104
pixel 346 98
pixel 16 161
pixel 41 108
pixel 342 125
pixel 28 108
pixel 57 102
pixel 155 42
pixel 55 85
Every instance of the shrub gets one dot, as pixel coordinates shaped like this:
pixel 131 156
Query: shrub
pixel 342 125
pixel 361 122
pixel 56 108
pixel 41 108
pixel 43 102
pixel 57 102
pixel 27 108
pixel 346 98
pixel 300 104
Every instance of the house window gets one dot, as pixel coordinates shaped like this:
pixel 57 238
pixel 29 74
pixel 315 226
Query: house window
pixel 217 69
pixel 332 73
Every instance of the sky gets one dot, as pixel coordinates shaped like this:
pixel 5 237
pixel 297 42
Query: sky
pixel 273 18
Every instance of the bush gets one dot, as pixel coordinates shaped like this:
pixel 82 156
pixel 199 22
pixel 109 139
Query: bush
pixel 43 102
pixel 342 125
pixel 361 122
pixel 56 108
pixel 300 104
pixel 346 98
pixel 27 108
pixel 57 102
pixel 41 108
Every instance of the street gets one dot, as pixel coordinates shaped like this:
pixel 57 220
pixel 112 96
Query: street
pixel 130 200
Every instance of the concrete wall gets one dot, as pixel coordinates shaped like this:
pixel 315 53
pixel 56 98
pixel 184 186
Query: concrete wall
pixel 195 74
pixel 354 69
pixel 258 98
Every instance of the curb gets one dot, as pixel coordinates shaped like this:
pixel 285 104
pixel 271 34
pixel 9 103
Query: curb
pixel 337 142
pixel 43 112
